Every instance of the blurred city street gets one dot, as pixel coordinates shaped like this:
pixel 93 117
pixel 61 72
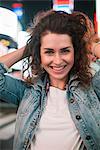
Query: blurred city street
pixel 16 20
pixel 7 125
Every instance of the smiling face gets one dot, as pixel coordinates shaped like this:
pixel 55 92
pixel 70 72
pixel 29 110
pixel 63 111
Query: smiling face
pixel 57 57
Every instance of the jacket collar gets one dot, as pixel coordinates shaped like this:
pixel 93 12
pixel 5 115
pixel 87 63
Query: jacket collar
pixel 44 83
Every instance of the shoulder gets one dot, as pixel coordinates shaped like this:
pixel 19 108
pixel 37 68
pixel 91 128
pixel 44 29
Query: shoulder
pixel 95 66
pixel 96 77
pixel 96 83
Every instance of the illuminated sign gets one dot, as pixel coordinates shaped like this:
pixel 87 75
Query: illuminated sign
pixel 60 2
pixel 97 16
pixel 63 5
pixel 17 8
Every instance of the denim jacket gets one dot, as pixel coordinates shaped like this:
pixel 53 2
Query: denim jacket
pixel 84 106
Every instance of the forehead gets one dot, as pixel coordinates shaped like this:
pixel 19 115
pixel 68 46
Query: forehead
pixel 51 39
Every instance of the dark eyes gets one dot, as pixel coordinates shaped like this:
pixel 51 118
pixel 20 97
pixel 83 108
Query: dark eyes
pixel 62 51
pixel 49 52
pixel 65 50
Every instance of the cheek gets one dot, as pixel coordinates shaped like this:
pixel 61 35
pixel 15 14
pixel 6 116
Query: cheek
pixel 70 59
pixel 45 60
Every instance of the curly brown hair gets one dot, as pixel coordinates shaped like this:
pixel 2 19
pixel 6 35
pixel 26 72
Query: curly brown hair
pixel 60 23
pixel 90 36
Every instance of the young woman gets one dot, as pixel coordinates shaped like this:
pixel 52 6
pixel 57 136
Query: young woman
pixel 59 101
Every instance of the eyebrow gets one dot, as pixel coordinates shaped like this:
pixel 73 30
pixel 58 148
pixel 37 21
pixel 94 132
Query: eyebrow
pixel 60 49
pixel 50 49
pixel 65 48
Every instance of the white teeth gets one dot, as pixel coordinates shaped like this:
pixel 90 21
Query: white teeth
pixel 58 68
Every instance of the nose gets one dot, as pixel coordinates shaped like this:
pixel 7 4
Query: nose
pixel 57 59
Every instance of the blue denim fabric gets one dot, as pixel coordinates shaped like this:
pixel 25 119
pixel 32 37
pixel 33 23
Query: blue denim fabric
pixel 84 106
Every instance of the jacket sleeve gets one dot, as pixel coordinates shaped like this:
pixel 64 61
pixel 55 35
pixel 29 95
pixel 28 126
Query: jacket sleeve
pixel 96 83
pixel 11 89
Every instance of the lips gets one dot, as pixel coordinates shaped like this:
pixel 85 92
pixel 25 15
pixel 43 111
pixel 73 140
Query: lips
pixel 58 69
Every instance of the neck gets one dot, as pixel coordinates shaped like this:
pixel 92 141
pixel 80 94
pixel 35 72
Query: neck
pixel 59 85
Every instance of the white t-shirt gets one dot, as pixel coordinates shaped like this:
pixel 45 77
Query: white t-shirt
pixel 57 130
